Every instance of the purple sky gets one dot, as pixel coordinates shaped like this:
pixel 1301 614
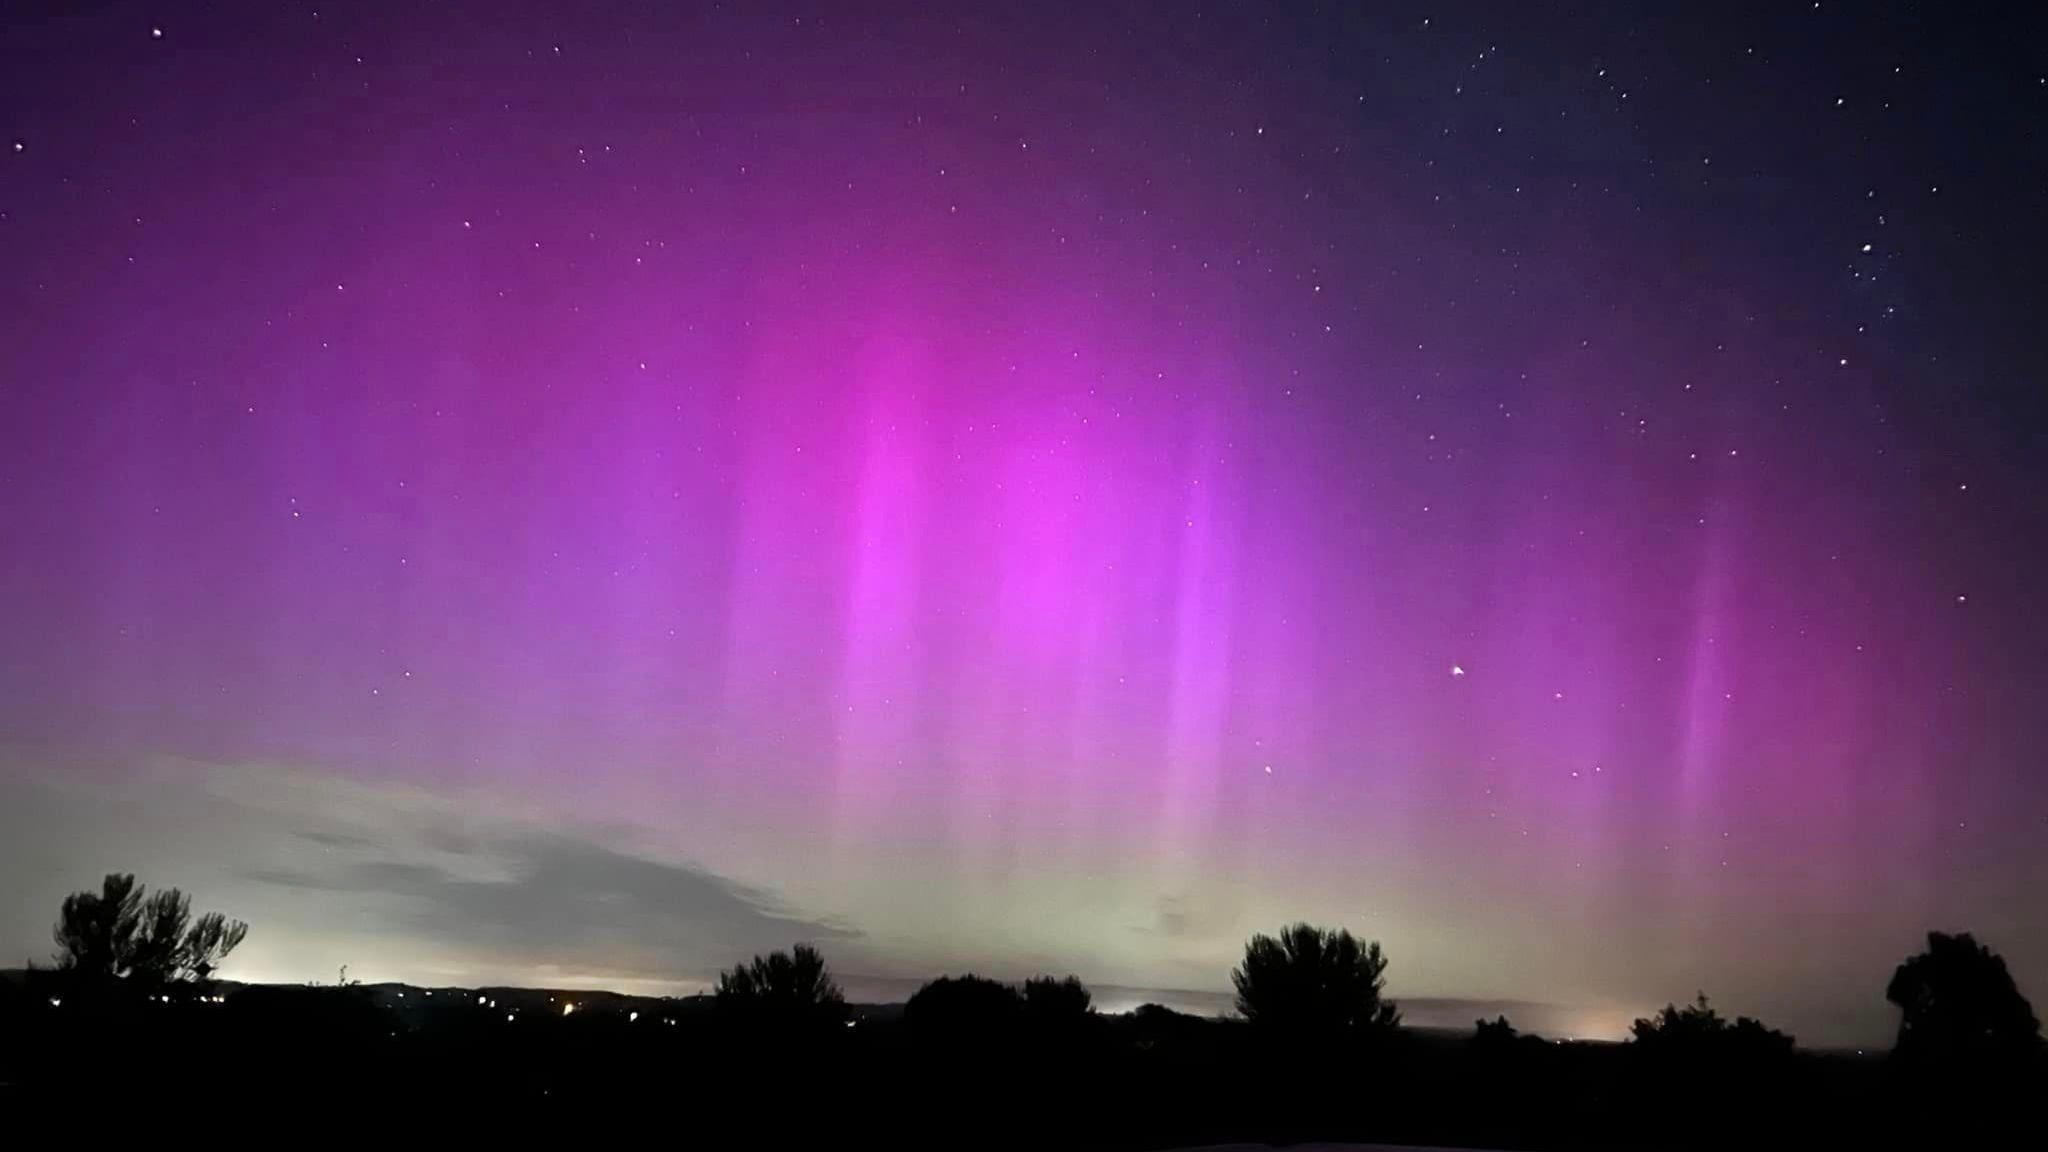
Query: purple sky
pixel 567 498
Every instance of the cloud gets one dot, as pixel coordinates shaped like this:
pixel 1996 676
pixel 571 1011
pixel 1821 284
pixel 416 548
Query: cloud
pixel 558 900
pixel 1175 918
pixel 332 839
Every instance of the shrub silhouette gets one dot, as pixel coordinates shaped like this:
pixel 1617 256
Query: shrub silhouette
pixel 1311 979
pixel 1958 1005
pixel 150 940
pixel 785 989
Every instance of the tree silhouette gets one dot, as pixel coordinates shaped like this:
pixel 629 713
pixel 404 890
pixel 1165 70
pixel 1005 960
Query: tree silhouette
pixel 964 1006
pixel 791 989
pixel 1313 979
pixel 122 933
pixel 95 931
pixel 1494 1032
pixel 1958 1004
pixel 1158 1018
pixel 1050 1000
pixel 1698 1030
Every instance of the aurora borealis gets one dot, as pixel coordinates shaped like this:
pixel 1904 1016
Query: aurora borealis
pixel 492 493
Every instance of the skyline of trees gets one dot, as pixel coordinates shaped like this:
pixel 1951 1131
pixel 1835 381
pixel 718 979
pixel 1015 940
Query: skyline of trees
pixel 1320 1056
pixel 1958 1001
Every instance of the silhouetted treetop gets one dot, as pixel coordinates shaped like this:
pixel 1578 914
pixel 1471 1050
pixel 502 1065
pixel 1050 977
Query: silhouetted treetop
pixel 1697 1029
pixel 1313 979
pixel 1957 1001
pixel 964 1004
pixel 123 933
pixel 95 931
pixel 1160 1014
pixel 791 988
pixel 1052 1000
pixel 1496 1030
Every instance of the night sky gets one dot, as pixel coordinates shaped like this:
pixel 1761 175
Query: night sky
pixel 577 497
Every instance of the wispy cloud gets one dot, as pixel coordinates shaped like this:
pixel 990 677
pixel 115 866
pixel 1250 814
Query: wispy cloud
pixel 333 839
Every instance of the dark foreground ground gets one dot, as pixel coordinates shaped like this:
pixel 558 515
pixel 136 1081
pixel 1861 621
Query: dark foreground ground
pixel 509 1058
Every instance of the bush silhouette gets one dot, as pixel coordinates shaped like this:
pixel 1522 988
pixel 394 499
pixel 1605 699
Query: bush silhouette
pixel 1311 979
pixel 121 933
pixel 785 989
pixel 1958 1005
